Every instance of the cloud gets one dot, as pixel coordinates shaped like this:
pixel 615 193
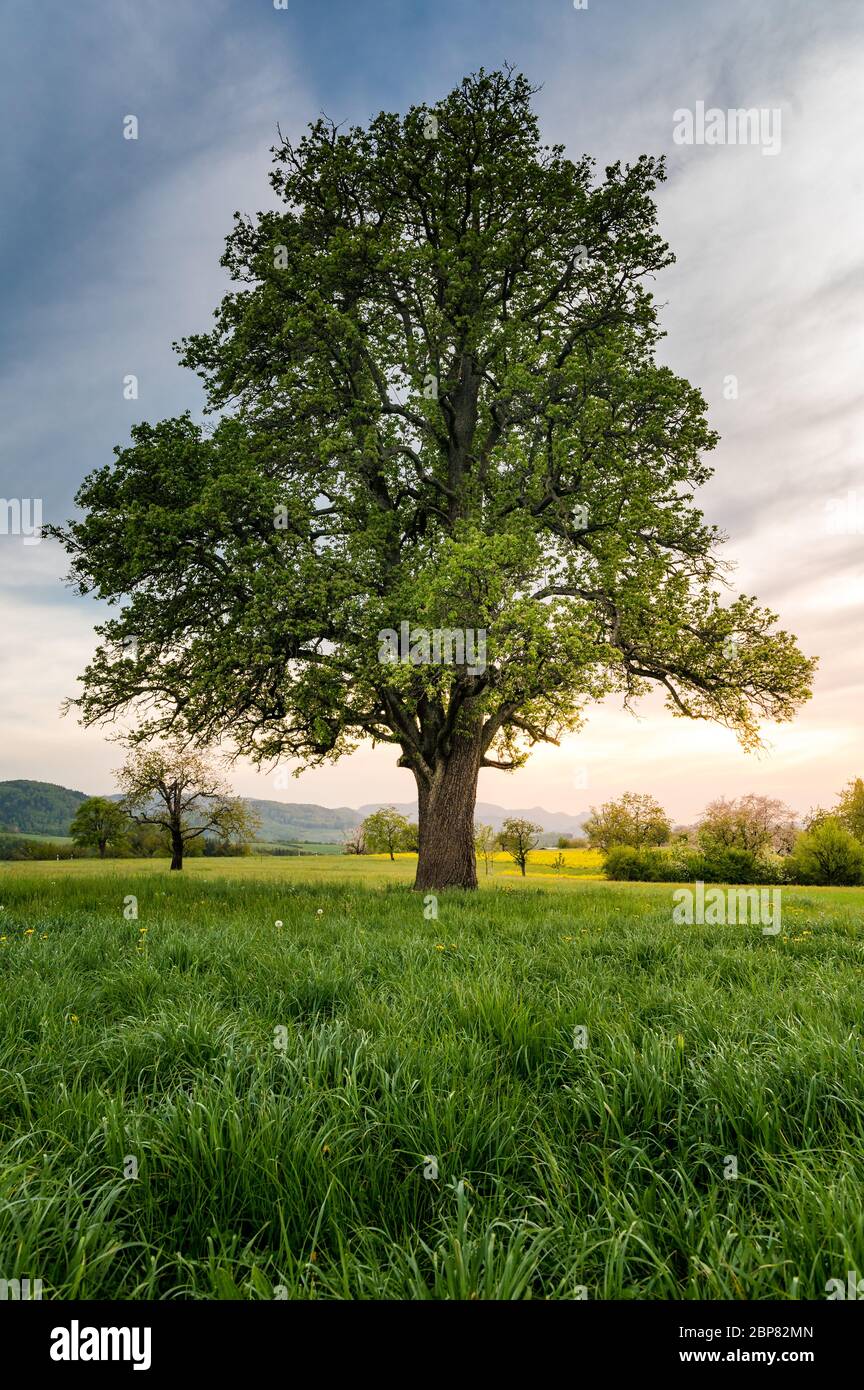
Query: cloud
pixel 112 251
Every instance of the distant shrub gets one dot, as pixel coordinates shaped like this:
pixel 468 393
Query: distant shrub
pixel 220 848
pixel 636 819
pixel 729 864
pixel 681 864
pixel 12 847
pixel 646 865
pixel 828 854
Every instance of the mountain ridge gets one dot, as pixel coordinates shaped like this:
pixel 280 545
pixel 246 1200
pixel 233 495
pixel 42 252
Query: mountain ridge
pixel 48 807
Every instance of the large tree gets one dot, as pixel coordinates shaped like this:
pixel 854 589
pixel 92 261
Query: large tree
pixel 436 402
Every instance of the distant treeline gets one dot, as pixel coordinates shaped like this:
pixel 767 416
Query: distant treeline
pixel 751 840
pixel 14 847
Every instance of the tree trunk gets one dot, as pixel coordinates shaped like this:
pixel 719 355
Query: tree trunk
pixel 176 850
pixel 446 857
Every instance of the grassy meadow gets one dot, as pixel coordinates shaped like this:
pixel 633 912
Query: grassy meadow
pixel 366 1103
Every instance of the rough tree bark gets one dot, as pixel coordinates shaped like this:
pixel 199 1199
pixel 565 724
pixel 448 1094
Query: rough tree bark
pixel 176 849
pixel 446 801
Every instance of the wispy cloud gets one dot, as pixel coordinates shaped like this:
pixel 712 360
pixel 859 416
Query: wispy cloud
pixel 110 250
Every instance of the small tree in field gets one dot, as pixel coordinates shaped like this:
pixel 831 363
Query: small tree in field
pixel 485 840
pixel 355 841
pixel 100 824
pixel 635 819
pixel 180 792
pixel 753 823
pixel 518 837
pixel 387 832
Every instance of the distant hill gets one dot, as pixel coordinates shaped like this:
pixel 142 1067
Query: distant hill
pixel 294 820
pixel 37 808
pixel 291 821
pixel 45 809
pixel 487 813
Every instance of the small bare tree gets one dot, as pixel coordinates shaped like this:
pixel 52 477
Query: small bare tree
pixel 484 843
pixel 355 841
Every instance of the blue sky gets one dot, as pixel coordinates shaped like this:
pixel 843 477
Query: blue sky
pixel 110 251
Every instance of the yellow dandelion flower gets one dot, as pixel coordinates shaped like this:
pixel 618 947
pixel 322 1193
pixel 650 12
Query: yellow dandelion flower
pixel 29 931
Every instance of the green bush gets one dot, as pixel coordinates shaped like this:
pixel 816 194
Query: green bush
pixel 15 847
pixel 681 864
pixel 828 854
pixel 727 864
pixel 646 865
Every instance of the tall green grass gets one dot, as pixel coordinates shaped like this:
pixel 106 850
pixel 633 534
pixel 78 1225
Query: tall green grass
pixel 297 1170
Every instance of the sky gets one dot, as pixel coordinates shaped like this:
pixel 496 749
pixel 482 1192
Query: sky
pixel 110 247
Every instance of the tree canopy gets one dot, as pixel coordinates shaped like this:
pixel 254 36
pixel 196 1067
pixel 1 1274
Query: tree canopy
pixel 180 792
pixel 100 824
pixel 518 837
pixel 636 819
pixel 387 832
pixel 435 400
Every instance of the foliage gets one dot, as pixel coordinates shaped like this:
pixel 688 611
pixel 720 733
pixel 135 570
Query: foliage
pixel 149 841
pixel 518 837
pixel 37 808
pixel 485 840
pixel 355 841
pixel 100 824
pixel 829 854
pixel 388 832
pixel 437 401
pixel 753 823
pixel 16 847
pixel 680 864
pixel 179 792
pixel 635 819
pixel 850 808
